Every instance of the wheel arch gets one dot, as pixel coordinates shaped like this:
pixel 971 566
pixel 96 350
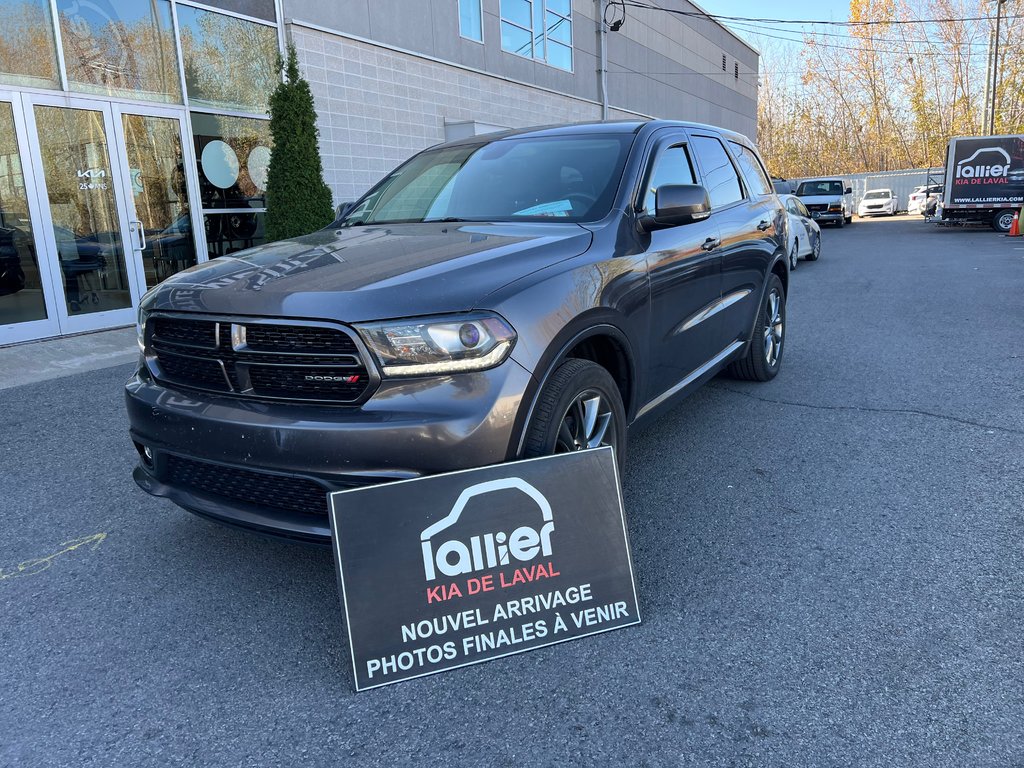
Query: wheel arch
pixel 600 341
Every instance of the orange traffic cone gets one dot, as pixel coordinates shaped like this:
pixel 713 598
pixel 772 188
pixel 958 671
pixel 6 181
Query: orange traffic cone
pixel 1015 227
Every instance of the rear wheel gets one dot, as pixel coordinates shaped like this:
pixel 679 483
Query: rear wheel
pixel 815 249
pixel 763 356
pixel 1003 220
pixel 794 254
pixel 580 407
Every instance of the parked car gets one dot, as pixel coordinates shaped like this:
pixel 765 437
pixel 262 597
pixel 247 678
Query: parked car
pixel 829 200
pixel 877 202
pixel 504 296
pixel 922 196
pixel 804 232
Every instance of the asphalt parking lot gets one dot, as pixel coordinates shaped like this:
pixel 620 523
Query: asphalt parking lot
pixel 829 569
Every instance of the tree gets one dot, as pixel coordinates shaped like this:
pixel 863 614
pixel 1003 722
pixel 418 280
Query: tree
pixel 298 200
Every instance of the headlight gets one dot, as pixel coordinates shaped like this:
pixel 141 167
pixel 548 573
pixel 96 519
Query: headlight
pixel 835 206
pixel 436 345
pixel 140 328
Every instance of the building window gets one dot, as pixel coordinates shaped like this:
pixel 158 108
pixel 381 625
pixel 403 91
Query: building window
pixel 230 63
pixel 538 29
pixel 471 20
pixel 233 154
pixel 120 48
pixel 28 53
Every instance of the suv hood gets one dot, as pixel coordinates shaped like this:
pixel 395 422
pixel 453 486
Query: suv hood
pixel 372 272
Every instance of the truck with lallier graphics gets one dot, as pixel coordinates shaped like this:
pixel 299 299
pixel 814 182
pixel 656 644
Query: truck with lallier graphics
pixel 984 181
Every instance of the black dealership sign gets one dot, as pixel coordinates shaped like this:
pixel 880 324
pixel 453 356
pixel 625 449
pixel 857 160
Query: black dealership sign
pixel 450 570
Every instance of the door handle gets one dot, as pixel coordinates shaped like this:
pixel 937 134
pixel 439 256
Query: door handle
pixel 710 244
pixel 142 234
pixel 763 225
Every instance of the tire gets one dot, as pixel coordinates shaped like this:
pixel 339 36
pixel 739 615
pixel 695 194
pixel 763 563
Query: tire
pixel 759 363
pixel 849 219
pixel 794 256
pixel 563 400
pixel 1003 220
pixel 815 250
pixel 841 223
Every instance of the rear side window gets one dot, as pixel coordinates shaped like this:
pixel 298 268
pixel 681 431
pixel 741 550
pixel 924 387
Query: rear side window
pixel 756 178
pixel 718 172
pixel 671 166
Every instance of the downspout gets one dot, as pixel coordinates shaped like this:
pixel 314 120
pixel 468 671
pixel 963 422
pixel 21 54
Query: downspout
pixel 602 67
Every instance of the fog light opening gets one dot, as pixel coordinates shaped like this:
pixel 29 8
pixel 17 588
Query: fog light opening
pixel 146 454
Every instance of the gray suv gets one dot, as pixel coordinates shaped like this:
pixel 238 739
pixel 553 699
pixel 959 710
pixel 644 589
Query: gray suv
pixel 505 296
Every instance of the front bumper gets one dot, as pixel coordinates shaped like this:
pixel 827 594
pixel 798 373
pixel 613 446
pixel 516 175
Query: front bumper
pixel 828 216
pixel 237 452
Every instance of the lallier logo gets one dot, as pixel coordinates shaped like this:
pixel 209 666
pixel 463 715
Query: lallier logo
pixel 458 566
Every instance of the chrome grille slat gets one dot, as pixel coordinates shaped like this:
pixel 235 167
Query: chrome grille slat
pixel 255 358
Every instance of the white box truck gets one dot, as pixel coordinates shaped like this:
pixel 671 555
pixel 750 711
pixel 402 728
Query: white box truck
pixel 984 181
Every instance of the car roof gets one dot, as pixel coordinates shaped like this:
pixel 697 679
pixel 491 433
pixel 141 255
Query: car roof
pixel 597 128
pixel 879 189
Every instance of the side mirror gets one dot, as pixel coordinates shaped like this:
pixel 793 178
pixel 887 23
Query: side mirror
pixel 677 204
pixel 849 191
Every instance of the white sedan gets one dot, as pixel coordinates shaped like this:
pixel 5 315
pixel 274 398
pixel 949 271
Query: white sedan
pixel 804 232
pixel 877 202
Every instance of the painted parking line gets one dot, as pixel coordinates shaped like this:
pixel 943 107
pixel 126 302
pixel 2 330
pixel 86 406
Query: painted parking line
pixel 40 564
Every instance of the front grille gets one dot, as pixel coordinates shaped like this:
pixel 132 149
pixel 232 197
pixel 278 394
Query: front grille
pixel 817 207
pixel 267 491
pixel 246 358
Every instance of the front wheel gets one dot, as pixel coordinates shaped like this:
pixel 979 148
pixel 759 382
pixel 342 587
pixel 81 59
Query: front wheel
pixel 841 223
pixel 580 407
pixel 763 357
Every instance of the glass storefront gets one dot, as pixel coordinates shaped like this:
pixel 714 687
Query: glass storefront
pixel 28 49
pixel 120 48
pixel 156 166
pixel 230 63
pixel 21 286
pixel 80 191
pixel 126 153
pixel 233 155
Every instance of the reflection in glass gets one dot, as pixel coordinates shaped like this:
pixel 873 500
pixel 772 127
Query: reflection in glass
pixel 120 48
pixel 233 231
pixel 233 153
pixel 21 290
pixel 80 190
pixel 28 53
pixel 230 63
pixel 157 169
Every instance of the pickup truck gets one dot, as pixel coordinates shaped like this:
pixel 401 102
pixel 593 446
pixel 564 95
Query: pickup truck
pixel 828 200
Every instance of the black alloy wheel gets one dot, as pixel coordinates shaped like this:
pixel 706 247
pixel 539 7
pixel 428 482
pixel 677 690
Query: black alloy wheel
pixel 579 408
pixel 762 356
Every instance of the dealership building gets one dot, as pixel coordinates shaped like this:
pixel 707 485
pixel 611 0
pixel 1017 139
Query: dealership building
pixel 134 139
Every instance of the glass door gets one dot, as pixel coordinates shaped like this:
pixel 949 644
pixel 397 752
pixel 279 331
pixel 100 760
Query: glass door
pixel 27 309
pixel 157 176
pixel 83 212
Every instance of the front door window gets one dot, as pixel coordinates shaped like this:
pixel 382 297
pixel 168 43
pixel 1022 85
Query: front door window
pixel 80 192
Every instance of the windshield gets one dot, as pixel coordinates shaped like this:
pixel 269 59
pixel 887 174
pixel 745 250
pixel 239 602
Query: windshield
pixel 884 193
pixel 567 178
pixel 808 188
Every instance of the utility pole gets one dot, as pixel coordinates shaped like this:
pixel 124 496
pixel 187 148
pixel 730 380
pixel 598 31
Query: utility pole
pixel 995 71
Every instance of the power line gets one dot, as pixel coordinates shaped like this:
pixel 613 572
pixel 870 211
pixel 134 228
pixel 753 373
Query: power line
pixel 719 17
